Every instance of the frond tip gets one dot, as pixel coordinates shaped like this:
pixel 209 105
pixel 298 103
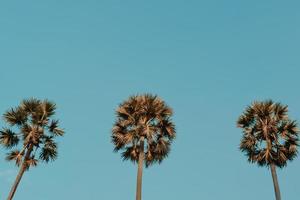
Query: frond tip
pixel 54 129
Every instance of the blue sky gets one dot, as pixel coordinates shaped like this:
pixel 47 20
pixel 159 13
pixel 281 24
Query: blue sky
pixel 206 59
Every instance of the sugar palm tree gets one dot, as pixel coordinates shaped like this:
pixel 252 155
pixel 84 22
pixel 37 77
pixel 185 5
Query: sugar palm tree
pixel 30 136
pixel 143 131
pixel 270 138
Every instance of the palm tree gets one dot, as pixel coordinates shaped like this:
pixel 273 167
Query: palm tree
pixel 30 136
pixel 143 131
pixel 270 138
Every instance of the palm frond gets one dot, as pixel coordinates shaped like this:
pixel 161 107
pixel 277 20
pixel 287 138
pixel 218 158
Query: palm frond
pixel 15 116
pixel 48 107
pixel 54 129
pixel 48 154
pixel 30 105
pixel 15 155
pixel 280 111
pixel 131 153
pixel 167 128
pixel 8 138
pixel 31 162
pixel 49 150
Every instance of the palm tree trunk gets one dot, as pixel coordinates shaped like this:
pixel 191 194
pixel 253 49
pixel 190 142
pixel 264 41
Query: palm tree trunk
pixel 275 182
pixel 16 183
pixel 140 171
pixel 20 174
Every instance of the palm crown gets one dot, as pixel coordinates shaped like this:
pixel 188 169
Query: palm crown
pixel 270 137
pixel 143 117
pixel 36 132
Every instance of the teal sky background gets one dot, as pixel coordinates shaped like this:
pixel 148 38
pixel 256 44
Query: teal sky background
pixel 207 59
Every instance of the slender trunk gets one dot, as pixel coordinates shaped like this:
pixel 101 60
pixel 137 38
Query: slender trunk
pixel 16 183
pixel 272 166
pixel 275 182
pixel 140 171
pixel 20 174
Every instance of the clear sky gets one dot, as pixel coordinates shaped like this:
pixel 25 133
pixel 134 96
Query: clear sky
pixel 206 59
